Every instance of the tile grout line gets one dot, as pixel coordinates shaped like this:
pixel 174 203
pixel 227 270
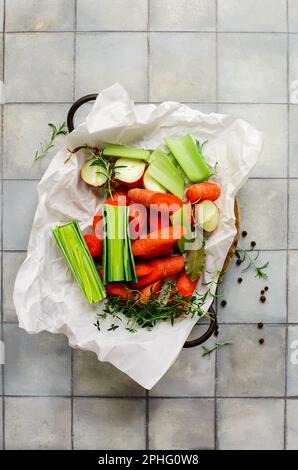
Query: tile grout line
pixel 159 397
pixel 2 211
pixel 287 259
pixel 216 306
pixel 147 411
pixel 72 351
pixel 160 31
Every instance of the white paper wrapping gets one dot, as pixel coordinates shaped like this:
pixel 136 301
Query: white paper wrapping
pixel 47 297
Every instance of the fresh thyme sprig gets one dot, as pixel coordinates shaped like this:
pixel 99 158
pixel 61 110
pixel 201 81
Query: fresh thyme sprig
pixel 61 129
pixel 245 255
pixel 106 168
pixel 213 169
pixel 218 345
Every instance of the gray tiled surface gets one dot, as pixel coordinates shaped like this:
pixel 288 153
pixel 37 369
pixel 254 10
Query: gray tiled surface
pixel 217 55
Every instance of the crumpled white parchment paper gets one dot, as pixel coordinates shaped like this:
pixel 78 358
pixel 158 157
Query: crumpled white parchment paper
pixel 47 297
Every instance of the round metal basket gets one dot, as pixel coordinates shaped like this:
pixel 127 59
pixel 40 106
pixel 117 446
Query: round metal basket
pixel 213 325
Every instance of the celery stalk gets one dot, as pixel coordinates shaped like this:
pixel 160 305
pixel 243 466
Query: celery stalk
pixel 165 172
pixel 182 217
pixel 117 150
pixel 118 261
pixel 72 244
pixel 189 158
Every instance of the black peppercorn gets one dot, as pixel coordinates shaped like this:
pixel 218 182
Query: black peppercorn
pixel 244 233
pixel 238 262
pixel 253 244
pixel 262 291
pixel 240 280
pixel 260 325
pixel 261 341
pixel 266 288
pixel 223 303
pixel 262 298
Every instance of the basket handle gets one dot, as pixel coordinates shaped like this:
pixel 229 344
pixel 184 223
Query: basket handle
pixel 77 104
pixel 212 328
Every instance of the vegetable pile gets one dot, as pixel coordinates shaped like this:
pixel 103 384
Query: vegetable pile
pixel 146 250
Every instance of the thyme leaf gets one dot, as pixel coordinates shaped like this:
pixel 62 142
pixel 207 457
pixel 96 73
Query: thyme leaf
pixel 61 129
pixel 218 345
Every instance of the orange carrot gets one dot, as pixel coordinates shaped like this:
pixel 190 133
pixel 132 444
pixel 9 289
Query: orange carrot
pixel 165 251
pixel 184 285
pixel 146 292
pixel 118 198
pixel 142 269
pixel 157 220
pixel 161 200
pixel 156 241
pixel 94 244
pixel 202 191
pixel 161 268
pixel 137 219
pixel 118 289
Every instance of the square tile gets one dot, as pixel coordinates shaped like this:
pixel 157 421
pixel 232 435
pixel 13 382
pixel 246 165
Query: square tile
pixel 39 67
pixel 242 16
pixel 293 15
pixel 104 15
pixel 244 76
pixel 243 300
pixel 19 205
pixel 293 141
pixel 172 72
pixel 1 14
pixel 258 199
pixel 191 375
pixel 109 424
pixel 11 265
pixel 170 418
pixel 182 15
pixel 37 364
pixel 293 287
pixel 292 370
pixel 243 365
pixel 93 377
pixel 37 423
pixel 25 130
pixel 252 424
pixel 293 221
pixel 271 119
pixel 112 57
pixel 45 15
pixel 293 68
pixel 292 425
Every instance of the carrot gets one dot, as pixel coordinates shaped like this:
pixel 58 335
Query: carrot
pixel 94 244
pixel 161 200
pixel 137 219
pixel 165 251
pixel 157 220
pixel 118 289
pixel 142 269
pixel 158 240
pixel 184 285
pixel 147 291
pixel 118 198
pixel 201 191
pixel 161 268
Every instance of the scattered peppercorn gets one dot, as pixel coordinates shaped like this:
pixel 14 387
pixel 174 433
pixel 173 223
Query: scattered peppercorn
pixel 244 233
pixel 238 262
pixel 262 298
pixel 262 291
pixel 266 288
pixel 261 341
pixel 253 244
pixel 260 325
pixel 223 303
pixel 240 280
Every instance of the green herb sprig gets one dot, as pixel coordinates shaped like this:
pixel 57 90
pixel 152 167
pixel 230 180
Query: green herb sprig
pixel 61 129
pixel 246 255
pixel 218 345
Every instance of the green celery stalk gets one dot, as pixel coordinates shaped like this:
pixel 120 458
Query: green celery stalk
pixel 117 150
pixel 118 261
pixel 164 171
pixel 182 217
pixel 189 158
pixel 72 244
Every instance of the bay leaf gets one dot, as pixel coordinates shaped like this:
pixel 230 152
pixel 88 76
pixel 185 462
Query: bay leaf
pixel 195 263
